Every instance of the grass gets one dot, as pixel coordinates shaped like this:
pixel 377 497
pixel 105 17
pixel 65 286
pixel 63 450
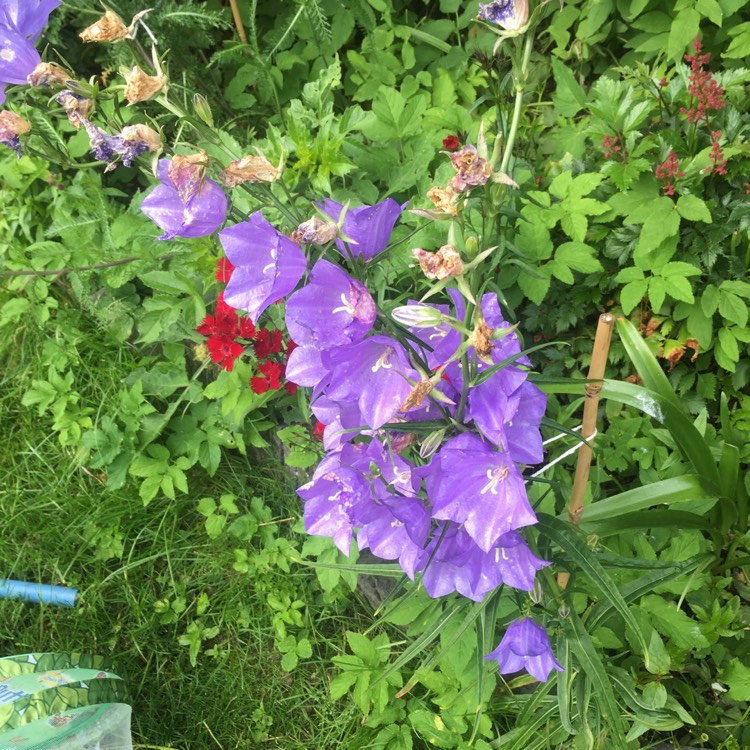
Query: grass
pixel 152 582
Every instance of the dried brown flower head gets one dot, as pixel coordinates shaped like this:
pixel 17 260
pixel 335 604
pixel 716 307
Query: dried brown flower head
pixel 47 74
pixel 140 86
pixel 472 169
pixel 315 230
pixel 186 173
pixel 440 265
pixel 142 135
pixel 109 28
pixel 481 340
pixel 418 394
pixel 12 125
pixel 76 107
pixel 444 199
pixel 249 169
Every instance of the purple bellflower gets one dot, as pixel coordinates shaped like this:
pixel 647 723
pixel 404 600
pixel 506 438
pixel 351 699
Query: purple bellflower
pixel 21 24
pixel 453 562
pixel 525 645
pixel 469 483
pixel 268 265
pixel 332 310
pixel 197 214
pixel 369 227
pixel 27 17
pixel 373 374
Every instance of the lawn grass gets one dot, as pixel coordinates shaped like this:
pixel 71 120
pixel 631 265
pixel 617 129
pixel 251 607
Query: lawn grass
pixel 151 579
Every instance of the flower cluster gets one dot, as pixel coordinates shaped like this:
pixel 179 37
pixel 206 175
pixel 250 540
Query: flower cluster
pixel 230 335
pixel 669 171
pixel 612 149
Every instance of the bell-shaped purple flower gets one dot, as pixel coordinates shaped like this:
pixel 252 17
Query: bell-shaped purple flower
pixel 332 310
pixel 18 58
pixel 452 561
pixel 369 227
pixel 335 498
pixel 524 414
pixel 202 213
pixel 268 265
pixel 525 645
pixel 373 374
pixel 305 366
pixel 27 17
pixel 469 483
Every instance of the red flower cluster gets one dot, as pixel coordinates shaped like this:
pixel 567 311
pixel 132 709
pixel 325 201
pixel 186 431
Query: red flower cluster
pixel 224 329
pixel 708 96
pixel 451 143
pixel 668 171
pixel 612 148
pixel 703 88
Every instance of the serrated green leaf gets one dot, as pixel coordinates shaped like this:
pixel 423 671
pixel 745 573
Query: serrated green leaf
pixel 732 308
pixel 673 623
pixel 737 677
pixel 632 294
pixel 692 208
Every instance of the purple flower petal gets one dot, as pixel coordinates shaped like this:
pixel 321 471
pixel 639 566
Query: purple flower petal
pixel 525 645
pixel 369 227
pixel 203 214
pixel 268 265
pixel 469 483
pixel 18 58
pixel 27 17
pixel 332 310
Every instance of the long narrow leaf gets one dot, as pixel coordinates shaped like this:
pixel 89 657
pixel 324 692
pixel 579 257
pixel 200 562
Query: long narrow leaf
pixel 651 519
pixel 566 537
pixel 587 656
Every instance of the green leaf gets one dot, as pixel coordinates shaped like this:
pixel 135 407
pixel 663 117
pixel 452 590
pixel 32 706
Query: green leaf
pixel 732 308
pixel 739 49
pixel 678 288
pixel 165 281
pixel 569 97
pixel 632 294
pixel 692 208
pixel 728 344
pixel 685 28
pixel 567 538
pixel 431 728
pixel 657 291
pixel 737 676
pixel 710 300
pixel 673 623
pixel 579 257
pixel 363 647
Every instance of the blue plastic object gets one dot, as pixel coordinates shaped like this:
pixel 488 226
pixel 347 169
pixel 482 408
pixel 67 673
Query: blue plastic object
pixel 38 593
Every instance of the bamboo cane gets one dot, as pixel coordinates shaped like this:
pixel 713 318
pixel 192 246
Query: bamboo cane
pixel 588 428
pixel 238 21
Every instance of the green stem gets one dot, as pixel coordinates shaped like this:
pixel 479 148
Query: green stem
pixel 520 80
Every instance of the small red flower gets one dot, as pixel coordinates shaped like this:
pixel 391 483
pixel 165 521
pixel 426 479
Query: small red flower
pixel 223 322
pixel 318 430
pixel 267 342
pixel 451 143
pixel 224 350
pixel 668 171
pixel 247 328
pixel 291 388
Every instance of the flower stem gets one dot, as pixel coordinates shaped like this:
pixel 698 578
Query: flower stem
pixel 520 81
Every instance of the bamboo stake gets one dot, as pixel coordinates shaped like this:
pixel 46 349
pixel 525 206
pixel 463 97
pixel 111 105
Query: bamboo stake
pixel 588 428
pixel 238 21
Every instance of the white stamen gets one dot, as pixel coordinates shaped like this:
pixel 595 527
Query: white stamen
pixel 346 306
pixel 495 476
pixel 382 362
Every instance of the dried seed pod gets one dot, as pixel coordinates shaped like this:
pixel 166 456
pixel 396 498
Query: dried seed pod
pixel 139 86
pixel 440 265
pixel 249 169
pixel 109 28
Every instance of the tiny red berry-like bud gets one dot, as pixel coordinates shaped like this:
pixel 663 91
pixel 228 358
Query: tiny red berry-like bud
pixel 451 143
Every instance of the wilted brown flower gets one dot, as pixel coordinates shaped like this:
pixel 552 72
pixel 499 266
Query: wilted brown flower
pixel 46 74
pixel 76 107
pixel 141 136
pixel 444 199
pixel 249 169
pixel 440 265
pixel 472 169
pixel 109 28
pixel 315 230
pixel 186 173
pixel 418 394
pixel 12 125
pixel 481 340
pixel 140 86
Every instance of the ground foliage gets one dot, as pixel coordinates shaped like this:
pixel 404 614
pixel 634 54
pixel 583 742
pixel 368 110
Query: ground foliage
pixel 357 97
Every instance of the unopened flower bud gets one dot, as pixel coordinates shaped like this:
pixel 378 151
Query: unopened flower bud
pixel 316 231
pixel 417 316
pixel 440 265
pixel 47 74
pixel 537 593
pixel 11 126
pixel 431 443
pixel 109 28
pixel 139 86
pixel 249 169
pixel 203 109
